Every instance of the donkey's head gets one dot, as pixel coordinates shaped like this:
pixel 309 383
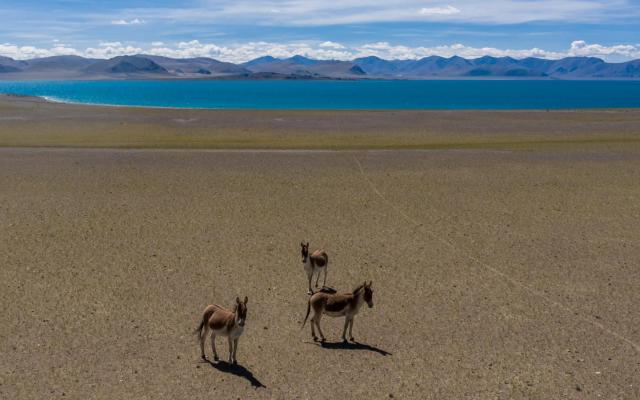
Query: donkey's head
pixel 368 294
pixel 304 251
pixel 241 310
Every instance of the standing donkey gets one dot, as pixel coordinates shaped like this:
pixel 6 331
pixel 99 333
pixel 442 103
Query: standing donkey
pixel 315 262
pixel 344 305
pixel 224 323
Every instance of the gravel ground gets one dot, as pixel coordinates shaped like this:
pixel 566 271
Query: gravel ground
pixel 497 274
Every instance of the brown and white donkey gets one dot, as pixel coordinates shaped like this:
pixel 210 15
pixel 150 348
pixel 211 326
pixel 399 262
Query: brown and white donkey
pixel 224 323
pixel 315 262
pixel 345 305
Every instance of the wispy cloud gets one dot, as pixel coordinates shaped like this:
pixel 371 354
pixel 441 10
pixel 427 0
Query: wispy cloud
pixel 326 50
pixel 448 10
pixel 134 21
pixel 321 12
pixel 329 28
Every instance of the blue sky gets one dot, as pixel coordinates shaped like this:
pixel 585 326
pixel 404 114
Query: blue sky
pixel 238 30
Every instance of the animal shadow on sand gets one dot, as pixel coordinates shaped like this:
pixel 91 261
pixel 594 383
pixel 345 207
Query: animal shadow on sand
pixel 353 346
pixel 237 370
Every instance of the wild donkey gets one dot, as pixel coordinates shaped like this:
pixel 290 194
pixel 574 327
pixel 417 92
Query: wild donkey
pixel 344 305
pixel 315 262
pixel 224 323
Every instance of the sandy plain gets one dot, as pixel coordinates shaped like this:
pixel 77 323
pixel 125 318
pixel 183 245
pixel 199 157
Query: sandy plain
pixel 501 271
pixel 33 122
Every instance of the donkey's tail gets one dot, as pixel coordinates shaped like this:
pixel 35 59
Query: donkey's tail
pixel 198 330
pixel 205 317
pixel 308 311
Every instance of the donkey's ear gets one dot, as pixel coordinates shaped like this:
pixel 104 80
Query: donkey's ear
pixel 370 282
pixel 301 244
pixel 246 299
pixel 237 300
pixel 307 244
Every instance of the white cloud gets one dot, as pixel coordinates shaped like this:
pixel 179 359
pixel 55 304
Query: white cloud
pixel 319 50
pixel 325 51
pixel 622 51
pixel 391 52
pixel 110 44
pixel 448 10
pixel 251 50
pixel 332 45
pixel 134 21
pixel 27 52
pixel 111 49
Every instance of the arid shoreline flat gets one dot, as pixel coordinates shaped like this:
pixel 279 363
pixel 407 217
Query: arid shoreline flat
pixel 500 271
pixel 33 122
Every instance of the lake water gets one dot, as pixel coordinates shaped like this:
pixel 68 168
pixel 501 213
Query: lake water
pixel 364 94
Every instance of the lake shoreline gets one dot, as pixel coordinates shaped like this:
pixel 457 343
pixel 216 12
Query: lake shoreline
pixel 35 122
pixel 53 100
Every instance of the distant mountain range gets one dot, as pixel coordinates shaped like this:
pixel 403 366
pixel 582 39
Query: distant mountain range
pixel 298 67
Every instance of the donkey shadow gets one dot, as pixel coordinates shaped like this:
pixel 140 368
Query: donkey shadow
pixel 353 346
pixel 237 370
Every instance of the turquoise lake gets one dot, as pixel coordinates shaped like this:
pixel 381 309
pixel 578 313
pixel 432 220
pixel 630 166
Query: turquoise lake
pixel 362 94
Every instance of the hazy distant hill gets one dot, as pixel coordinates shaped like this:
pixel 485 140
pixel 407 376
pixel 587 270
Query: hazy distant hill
pixel 55 63
pixel 125 66
pixel 9 64
pixel 196 66
pixel 506 67
pixel 298 67
pixel 8 69
pixel 302 66
pixel 258 61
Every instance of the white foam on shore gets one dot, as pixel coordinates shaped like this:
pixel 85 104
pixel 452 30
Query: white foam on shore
pixel 53 99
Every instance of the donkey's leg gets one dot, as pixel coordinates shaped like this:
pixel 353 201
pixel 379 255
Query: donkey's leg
pixel 313 329
pixel 317 320
pixel 235 351
pixel 201 338
pixel 230 349
pixel 213 346
pixel 318 277
pixel 351 330
pixel 310 276
pixel 324 283
pixel 344 331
